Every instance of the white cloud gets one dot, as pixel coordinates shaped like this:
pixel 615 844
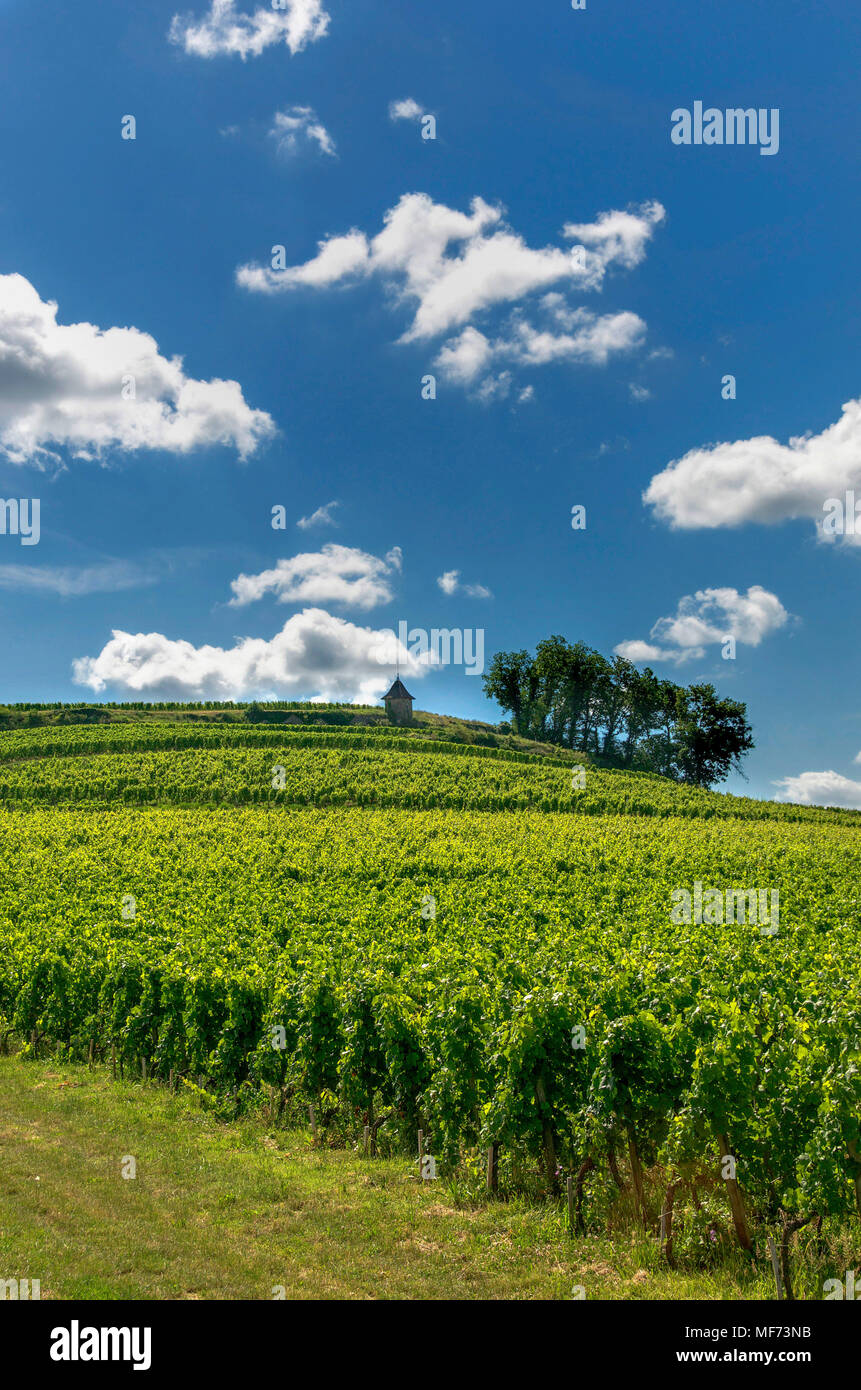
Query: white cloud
pixel 820 789
pixel 707 618
pixel 321 517
pixel 453 266
pixel 298 126
pixel 315 655
pixel 72 581
pixel 450 584
pixel 295 23
pixel 617 236
pixel 466 358
pixel 596 339
pixel 639 393
pixel 335 574
pixel 494 388
pixel 406 110
pixel 638 651
pixel 61 387
pixel 761 480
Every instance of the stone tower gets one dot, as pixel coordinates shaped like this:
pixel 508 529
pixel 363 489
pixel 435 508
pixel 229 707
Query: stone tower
pixel 399 703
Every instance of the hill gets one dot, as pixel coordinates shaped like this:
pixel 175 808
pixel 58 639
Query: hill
pixel 434 764
pixel 619 979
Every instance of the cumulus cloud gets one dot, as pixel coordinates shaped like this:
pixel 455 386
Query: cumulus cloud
pixel 335 574
pixel 466 359
pixel 707 618
pixel 820 789
pixel 62 387
pixel 762 480
pixel 639 393
pixel 298 127
pixel 406 110
pixel 315 656
pixel 450 583
pixel 225 31
pixel 321 517
pixel 451 266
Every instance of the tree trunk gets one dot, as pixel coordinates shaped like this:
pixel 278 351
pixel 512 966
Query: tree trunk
pixel 637 1176
pixel 735 1200
pixel 548 1139
pixel 667 1223
pixel 374 1127
pixel 790 1226
pixel 493 1168
pixel 614 1167
pixel 585 1167
pixel 854 1154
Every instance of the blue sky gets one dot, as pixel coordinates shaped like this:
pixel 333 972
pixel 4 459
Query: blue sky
pixel 557 382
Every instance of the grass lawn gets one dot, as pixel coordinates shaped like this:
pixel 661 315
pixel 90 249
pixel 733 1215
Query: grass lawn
pixel 221 1211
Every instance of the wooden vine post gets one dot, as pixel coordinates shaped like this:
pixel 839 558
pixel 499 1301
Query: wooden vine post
pixel 493 1168
pixel 775 1264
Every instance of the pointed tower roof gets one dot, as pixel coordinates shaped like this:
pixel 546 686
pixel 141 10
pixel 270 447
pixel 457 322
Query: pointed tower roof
pixel 398 691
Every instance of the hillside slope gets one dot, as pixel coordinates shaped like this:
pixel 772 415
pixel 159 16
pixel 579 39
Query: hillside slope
pixel 177 764
pixel 425 934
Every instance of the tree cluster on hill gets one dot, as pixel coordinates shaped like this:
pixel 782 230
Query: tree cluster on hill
pixel 573 696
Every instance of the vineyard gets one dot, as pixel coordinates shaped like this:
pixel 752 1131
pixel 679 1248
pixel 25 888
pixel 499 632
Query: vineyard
pixel 224 765
pixel 413 934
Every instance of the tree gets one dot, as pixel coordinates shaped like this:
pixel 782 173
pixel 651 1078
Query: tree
pixel 552 660
pixel 512 682
pixel 614 688
pixel 574 697
pixel 712 735
pixel 643 709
